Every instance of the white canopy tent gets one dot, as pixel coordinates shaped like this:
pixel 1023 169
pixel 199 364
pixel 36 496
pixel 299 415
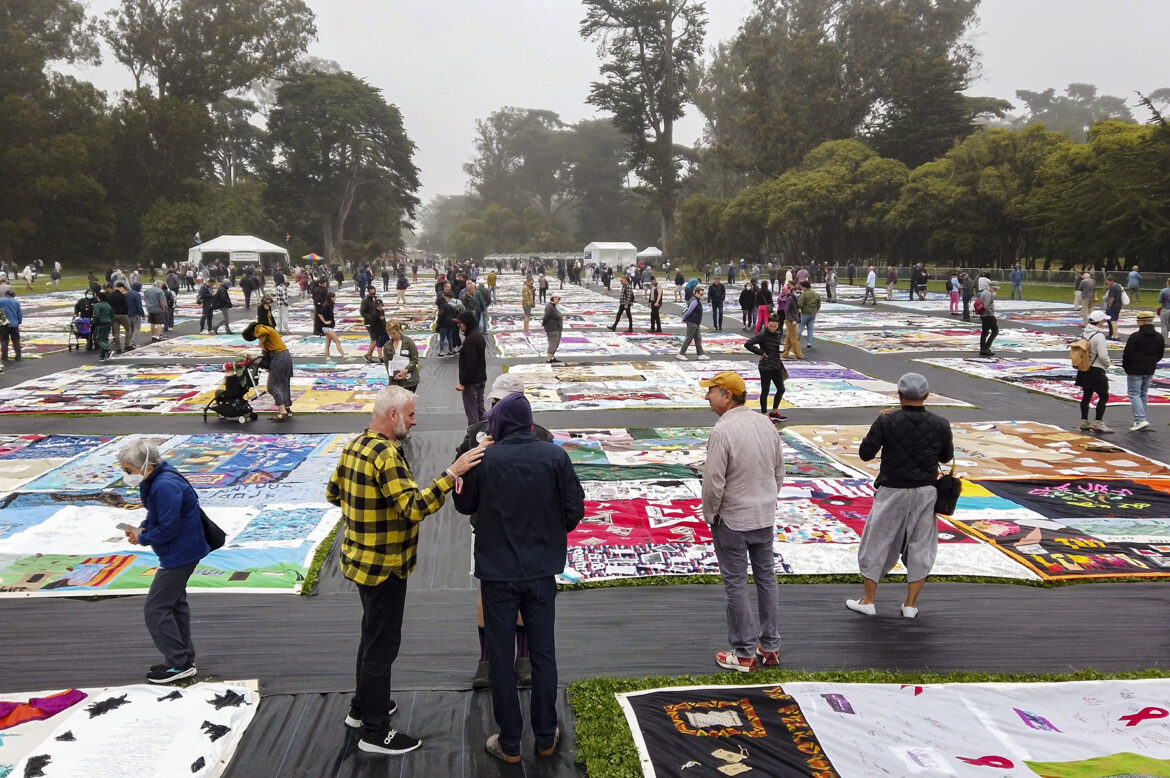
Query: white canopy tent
pixel 650 252
pixel 239 248
pixel 617 254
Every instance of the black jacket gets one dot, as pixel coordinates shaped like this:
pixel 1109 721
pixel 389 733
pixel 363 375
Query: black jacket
pixel 716 294
pixel 747 298
pixel 1143 351
pixel 767 345
pixel 264 316
pixel 473 355
pixel 912 441
pixel 526 498
pixel 446 312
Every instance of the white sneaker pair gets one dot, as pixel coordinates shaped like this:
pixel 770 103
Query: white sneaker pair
pixel 1139 425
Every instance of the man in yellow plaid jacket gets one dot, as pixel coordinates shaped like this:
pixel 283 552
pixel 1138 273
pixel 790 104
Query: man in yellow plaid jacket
pixel 382 507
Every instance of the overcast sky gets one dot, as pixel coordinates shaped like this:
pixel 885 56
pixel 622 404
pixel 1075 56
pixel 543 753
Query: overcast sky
pixel 446 63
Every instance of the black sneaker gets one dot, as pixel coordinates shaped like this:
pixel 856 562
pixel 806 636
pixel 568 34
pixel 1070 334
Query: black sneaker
pixel 392 743
pixel 355 722
pixel 523 672
pixel 168 674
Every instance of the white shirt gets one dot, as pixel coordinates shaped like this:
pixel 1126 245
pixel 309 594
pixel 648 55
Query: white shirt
pixel 744 470
pixel 871 279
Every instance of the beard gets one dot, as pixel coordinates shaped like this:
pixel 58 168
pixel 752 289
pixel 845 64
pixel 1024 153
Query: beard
pixel 402 431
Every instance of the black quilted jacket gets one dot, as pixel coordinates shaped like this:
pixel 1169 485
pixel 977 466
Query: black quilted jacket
pixel 912 441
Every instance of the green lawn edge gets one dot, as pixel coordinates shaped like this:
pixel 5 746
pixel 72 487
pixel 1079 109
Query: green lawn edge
pixel 606 748
pixel 322 552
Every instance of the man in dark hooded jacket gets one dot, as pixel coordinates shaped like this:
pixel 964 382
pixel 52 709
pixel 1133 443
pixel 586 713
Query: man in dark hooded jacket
pixel 526 498
pixel 472 367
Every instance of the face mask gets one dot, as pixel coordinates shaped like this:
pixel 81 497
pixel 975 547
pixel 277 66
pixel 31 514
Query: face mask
pixel 89 297
pixel 133 480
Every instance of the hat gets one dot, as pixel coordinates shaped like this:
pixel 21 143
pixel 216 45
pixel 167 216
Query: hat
pixel 993 282
pixel 729 380
pixel 1097 317
pixel 505 385
pixel 1145 315
pixel 913 386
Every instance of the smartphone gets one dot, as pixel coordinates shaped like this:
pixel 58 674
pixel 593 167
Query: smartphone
pixel 125 527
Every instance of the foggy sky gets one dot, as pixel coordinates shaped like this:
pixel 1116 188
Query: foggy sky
pixel 446 63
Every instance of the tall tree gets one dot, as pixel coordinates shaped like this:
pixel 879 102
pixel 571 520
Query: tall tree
pixel 335 138
pixel 521 159
pixel 802 72
pixel 202 50
pixel 649 49
pixel 1074 112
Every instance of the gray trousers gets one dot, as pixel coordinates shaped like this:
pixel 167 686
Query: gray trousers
pixel 733 549
pixel 473 403
pixel 900 524
pixel 692 334
pixel 120 322
pixel 168 619
pixel 554 341
pixel 132 332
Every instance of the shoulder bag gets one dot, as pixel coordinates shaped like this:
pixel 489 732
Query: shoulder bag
pixel 948 488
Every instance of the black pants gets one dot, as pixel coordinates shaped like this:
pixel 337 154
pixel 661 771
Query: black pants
pixel 1094 381
pixel 168 618
pixel 629 317
pixel 966 309
pixel 382 608
pixel 656 318
pixel 543 292
pixel 990 330
pixel 9 334
pixel 205 320
pixel 771 377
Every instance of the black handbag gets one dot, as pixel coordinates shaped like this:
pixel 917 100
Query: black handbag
pixel 212 532
pixel 948 488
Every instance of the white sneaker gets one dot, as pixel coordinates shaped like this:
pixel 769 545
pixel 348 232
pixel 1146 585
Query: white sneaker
pixel 1139 425
pixel 681 357
pixel 855 605
pixel 909 612
pixel 703 357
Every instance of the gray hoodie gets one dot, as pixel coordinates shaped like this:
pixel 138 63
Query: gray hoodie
pixel 1098 347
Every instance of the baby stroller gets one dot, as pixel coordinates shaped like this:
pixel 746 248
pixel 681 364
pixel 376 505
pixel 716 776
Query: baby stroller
pixel 231 401
pixel 80 331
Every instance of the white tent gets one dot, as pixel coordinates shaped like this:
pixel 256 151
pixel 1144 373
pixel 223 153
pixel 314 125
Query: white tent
pixel 650 252
pixel 616 254
pixel 240 248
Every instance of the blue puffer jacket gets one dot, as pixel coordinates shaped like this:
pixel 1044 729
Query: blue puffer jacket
pixel 173 527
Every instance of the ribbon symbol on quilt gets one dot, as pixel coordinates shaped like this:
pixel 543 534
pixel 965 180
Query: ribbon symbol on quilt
pixel 1000 762
pixel 1134 719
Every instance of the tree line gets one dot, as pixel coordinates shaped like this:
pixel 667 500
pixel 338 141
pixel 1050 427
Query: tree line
pixel 229 128
pixel 834 130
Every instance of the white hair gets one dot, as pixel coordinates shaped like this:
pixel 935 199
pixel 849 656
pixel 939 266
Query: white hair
pixel 392 398
pixel 139 453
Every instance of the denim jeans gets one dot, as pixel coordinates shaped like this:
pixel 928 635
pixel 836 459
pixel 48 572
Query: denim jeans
pixel 1017 291
pixel 535 600
pixel 1139 389
pixel 806 323
pixel 444 339
pixel 717 315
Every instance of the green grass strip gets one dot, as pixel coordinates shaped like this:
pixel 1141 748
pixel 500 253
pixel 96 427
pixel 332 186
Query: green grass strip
pixel 606 747
pixel 318 560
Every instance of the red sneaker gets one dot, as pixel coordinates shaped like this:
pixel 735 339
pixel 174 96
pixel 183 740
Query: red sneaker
pixel 767 658
pixel 730 661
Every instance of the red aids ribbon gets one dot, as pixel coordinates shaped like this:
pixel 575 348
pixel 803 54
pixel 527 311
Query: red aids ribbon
pixel 1134 719
pixel 988 761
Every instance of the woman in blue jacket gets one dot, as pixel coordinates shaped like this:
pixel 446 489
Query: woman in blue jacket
pixel 174 530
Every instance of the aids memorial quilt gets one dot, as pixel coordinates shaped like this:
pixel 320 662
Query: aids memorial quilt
pixel 144 389
pixel 1002 450
pixel 1053 377
pixel 225 347
pixel 655 527
pixel 643 384
pixel 59 536
pixel 873 318
pixel 1002 305
pixel 1081 528
pixel 902 340
pixel 193 731
pixel 838 730
pixel 594 344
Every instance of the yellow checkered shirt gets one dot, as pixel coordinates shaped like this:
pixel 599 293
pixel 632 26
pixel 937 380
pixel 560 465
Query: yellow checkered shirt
pixel 382 507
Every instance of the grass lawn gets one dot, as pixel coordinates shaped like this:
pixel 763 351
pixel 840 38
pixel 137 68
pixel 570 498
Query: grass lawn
pixel 606 747
pixel 1045 292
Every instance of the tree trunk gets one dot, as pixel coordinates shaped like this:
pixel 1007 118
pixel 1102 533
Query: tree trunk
pixel 327 234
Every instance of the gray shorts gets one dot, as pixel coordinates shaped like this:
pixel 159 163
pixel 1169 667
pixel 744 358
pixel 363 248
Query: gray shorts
pixel 900 524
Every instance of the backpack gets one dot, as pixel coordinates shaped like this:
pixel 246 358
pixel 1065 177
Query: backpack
pixel 1078 354
pixel 979 307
